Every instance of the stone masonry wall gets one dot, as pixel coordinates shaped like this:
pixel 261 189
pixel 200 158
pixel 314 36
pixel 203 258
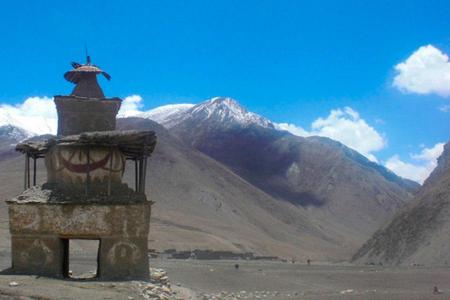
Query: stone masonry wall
pixel 39 232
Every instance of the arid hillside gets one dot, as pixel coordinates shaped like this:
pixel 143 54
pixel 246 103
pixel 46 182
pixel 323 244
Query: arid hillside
pixel 332 182
pixel 419 233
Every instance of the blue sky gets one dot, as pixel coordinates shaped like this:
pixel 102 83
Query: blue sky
pixel 290 61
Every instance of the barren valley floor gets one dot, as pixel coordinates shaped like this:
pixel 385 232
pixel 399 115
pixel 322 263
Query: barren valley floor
pixel 197 279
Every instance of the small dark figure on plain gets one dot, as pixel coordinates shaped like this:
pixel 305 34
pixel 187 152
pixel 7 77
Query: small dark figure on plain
pixel 293 261
pixel 236 266
pixel 308 261
pixel 436 291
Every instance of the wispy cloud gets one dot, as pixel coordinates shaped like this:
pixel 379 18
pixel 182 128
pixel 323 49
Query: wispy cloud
pixel 444 108
pixel 294 129
pixel 422 164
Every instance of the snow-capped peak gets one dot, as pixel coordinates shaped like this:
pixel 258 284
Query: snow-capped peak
pixel 226 111
pixel 223 110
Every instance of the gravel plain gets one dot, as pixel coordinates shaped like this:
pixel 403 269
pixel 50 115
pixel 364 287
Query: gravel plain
pixel 220 279
pixel 278 280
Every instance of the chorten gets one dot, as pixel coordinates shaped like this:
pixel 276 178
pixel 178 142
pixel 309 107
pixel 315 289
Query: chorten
pixel 84 196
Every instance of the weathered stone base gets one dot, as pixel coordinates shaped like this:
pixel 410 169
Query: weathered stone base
pixel 41 232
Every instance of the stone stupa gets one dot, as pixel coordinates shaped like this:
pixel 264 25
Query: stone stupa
pixel 84 196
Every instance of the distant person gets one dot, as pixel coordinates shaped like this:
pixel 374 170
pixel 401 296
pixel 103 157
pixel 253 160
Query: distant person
pixel 436 291
pixel 236 266
pixel 308 261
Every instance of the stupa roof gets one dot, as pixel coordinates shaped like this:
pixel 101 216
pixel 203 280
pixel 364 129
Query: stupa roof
pixel 79 70
pixel 134 144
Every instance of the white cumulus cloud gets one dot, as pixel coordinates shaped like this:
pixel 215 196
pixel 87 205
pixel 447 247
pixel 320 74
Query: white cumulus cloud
pixel 131 106
pixel 346 126
pixel 421 167
pixel 426 71
pixel 36 115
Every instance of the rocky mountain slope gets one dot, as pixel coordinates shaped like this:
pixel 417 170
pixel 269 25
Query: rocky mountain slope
pixel 323 176
pixel 419 233
pixel 202 204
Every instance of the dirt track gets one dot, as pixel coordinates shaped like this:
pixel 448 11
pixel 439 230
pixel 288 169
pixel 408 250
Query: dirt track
pixel 252 280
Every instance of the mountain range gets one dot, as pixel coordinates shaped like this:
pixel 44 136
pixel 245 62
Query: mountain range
pixel 224 178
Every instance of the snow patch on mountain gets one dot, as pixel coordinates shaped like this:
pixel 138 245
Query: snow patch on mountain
pixel 166 114
pixel 13 133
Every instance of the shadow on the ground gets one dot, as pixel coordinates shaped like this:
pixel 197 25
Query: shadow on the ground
pixel 7 271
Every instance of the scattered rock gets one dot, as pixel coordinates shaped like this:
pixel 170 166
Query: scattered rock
pixel 346 291
pixel 158 287
pixel 228 295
